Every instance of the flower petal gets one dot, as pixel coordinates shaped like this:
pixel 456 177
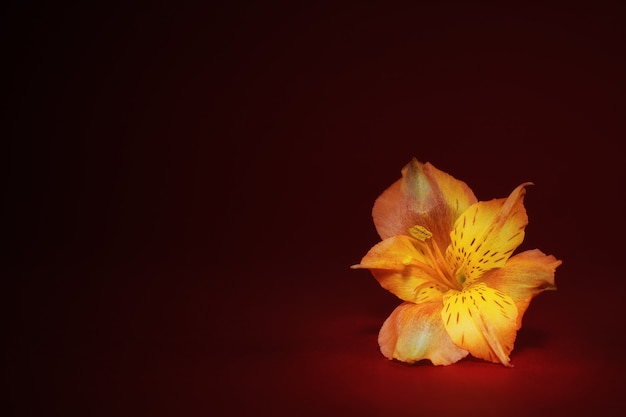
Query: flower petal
pixel 523 277
pixel 486 235
pixel 414 332
pixel 401 266
pixel 423 196
pixel 481 320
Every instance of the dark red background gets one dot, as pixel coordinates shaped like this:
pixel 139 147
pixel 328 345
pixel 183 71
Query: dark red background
pixel 188 186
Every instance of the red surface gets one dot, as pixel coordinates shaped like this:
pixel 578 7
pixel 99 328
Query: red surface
pixel 189 186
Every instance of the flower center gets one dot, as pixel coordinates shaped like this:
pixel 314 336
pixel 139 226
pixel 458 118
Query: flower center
pixel 444 273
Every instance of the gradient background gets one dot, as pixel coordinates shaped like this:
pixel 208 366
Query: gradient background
pixel 187 187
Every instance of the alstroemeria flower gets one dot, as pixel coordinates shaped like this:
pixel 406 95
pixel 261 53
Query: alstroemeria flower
pixel 450 258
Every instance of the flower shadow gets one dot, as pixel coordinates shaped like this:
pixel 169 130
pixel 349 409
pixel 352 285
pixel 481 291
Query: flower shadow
pixel 530 338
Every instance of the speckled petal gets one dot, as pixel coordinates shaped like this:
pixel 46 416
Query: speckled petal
pixel 523 277
pixel 486 235
pixel 481 320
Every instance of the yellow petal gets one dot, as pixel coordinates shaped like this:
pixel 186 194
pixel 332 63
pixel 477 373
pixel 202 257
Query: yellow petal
pixel 481 320
pixel 424 196
pixel 414 332
pixel 523 277
pixel 401 266
pixel 486 235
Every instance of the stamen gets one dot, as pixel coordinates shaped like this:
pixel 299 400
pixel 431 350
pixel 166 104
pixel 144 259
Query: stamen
pixel 443 266
pixel 439 263
pixel 420 233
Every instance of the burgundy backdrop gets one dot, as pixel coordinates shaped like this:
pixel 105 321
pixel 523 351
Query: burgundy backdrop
pixel 188 186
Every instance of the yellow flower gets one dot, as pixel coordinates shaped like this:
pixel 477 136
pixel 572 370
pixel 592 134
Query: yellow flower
pixel 449 257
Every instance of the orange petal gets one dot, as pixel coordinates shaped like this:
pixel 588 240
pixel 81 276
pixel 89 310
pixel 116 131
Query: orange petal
pixel 523 277
pixel 424 196
pixel 401 266
pixel 486 235
pixel 414 332
pixel 481 320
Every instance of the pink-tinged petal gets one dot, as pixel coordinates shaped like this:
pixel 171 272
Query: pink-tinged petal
pixel 486 235
pixel 523 277
pixel 424 196
pixel 481 320
pixel 415 332
pixel 401 266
